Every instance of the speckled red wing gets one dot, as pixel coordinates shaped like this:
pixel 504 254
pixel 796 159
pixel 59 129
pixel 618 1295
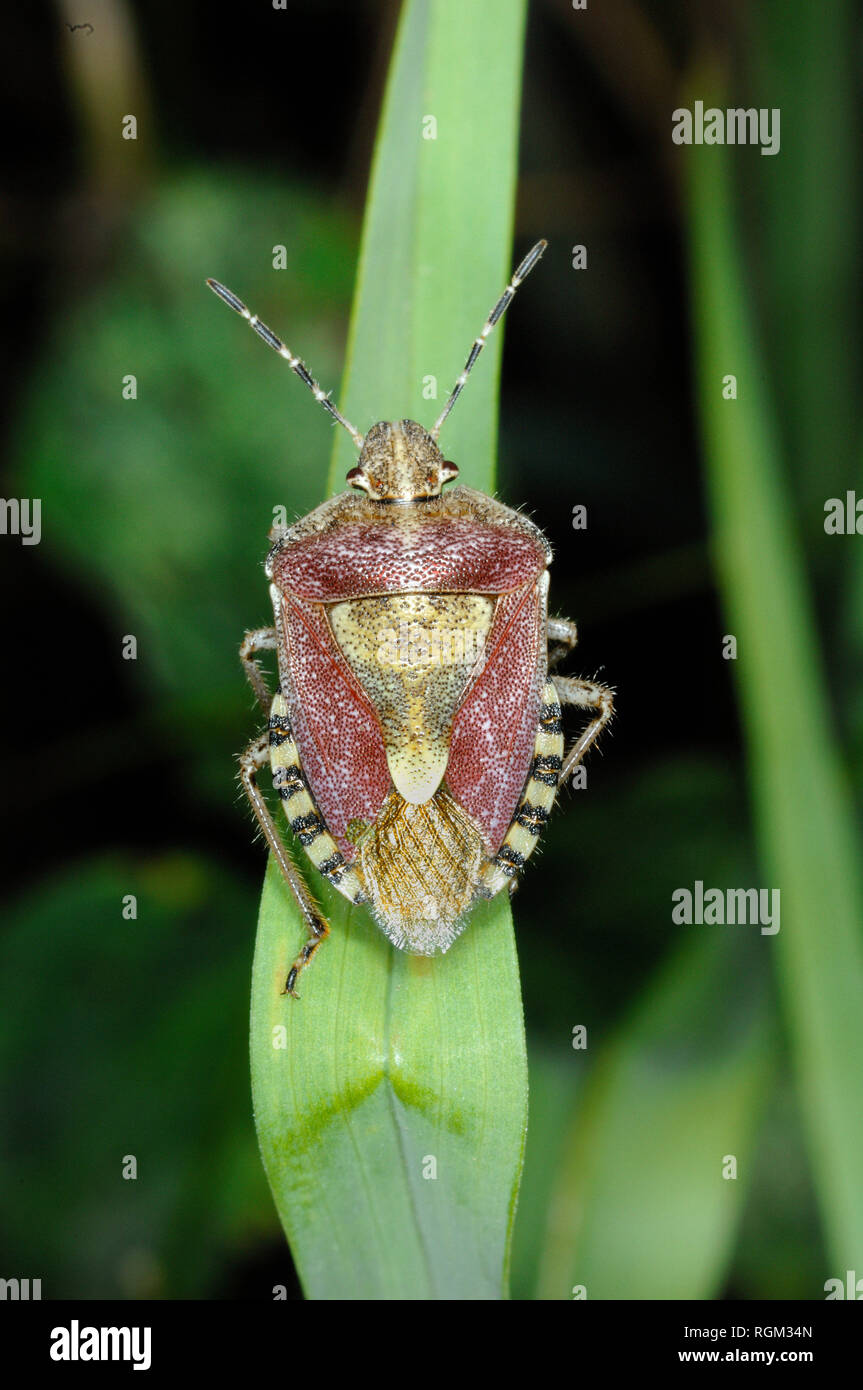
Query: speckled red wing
pixel 341 734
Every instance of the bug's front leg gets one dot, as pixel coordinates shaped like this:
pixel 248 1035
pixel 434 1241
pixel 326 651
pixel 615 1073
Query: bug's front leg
pixel 588 695
pixel 260 639
pixel 254 758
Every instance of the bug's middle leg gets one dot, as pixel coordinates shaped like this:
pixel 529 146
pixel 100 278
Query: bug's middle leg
pixel 260 639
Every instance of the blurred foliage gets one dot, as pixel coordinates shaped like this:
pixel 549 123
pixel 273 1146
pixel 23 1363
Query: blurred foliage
pixel 166 506
pixel 167 501
pixel 636 1138
pixel 181 485
pixel 159 1074
pixel 130 1037
pixel 808 828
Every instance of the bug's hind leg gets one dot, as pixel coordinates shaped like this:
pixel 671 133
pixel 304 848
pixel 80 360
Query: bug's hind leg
pixel 588 695
pixel 260 639
pixel 537 799
pixel 254 758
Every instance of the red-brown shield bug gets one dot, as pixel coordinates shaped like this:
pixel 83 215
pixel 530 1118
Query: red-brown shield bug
pixel 416 737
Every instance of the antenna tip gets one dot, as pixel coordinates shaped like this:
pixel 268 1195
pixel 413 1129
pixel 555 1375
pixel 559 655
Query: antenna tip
pixel 229 297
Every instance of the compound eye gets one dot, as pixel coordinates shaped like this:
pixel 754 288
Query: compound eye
pixel 448 470
pixel 357 478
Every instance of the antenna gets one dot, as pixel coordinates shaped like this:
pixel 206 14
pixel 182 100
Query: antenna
pixel 283 350
pixel 520 273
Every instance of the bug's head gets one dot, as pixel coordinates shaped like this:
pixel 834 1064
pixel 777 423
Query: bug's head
pixel 400 462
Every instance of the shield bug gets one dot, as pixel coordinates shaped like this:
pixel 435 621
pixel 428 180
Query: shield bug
pixel 415 738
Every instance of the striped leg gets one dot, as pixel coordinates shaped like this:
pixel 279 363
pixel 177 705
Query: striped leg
pixel 304 818
pixel 536 801
pixel 261 639
pixel 254 758
pixel 585 695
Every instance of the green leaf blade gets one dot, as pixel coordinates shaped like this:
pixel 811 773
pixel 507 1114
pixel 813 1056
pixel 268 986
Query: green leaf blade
pixel 803 804
pixel 391 1100
pixel 390 1105
pixel 436 249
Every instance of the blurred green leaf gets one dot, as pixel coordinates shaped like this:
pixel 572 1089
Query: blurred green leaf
pixel 164 503
pixel 684 820
pixel 554 1086
pixel 390 1061
pixel 780 1250
pixel 806 230
pixel 641 1207
pixel 97 1062
pixel 804 811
